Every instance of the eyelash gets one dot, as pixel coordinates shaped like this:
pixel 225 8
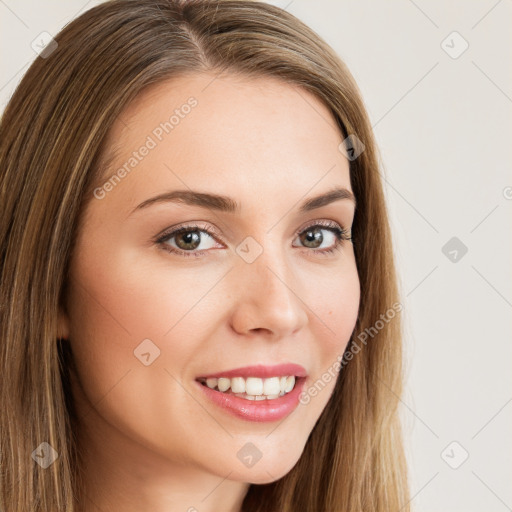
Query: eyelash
pixel 340 232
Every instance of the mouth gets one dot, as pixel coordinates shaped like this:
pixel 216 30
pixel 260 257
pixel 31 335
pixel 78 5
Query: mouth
pixel 256 393
pixel 253 388
pixel 258 382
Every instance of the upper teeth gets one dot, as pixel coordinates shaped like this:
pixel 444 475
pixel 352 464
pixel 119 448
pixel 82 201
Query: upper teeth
pixel 273 386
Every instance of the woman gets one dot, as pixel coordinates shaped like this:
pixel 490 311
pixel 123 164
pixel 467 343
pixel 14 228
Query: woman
pixel 199 301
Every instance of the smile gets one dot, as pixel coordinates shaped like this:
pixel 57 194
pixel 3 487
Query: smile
pixel 252 388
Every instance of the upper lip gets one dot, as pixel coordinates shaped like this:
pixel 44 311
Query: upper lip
pixel 261 371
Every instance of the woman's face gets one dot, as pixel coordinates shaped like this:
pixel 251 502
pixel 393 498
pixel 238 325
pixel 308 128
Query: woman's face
pixel 150 312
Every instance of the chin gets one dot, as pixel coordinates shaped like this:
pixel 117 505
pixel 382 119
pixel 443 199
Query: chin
pixel 264 472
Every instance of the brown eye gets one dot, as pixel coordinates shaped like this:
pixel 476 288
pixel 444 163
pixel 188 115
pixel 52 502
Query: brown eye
pixel 312 238
pixel 186 240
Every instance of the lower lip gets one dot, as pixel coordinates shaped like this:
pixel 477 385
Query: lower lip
pixel 260 410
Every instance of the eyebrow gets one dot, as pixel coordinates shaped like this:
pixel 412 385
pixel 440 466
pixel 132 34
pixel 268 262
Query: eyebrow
pixel 229 205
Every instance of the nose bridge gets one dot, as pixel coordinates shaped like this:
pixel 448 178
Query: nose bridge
pixel 270 267
pixel 267 298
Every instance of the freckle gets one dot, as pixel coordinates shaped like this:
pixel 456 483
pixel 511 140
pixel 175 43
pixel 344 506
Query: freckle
pixel 330 312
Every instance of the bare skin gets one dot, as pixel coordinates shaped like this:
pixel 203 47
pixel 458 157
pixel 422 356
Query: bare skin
pixel 152 440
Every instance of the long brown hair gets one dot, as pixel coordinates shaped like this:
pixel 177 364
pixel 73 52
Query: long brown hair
pixel 52 142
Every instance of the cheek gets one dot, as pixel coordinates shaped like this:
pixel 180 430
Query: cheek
pixel 133 336
pixel 131 298
pixel 336 308
pixel 336 311
pixel 122 300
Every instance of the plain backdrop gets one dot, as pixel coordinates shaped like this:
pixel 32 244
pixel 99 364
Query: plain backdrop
pixel 437 82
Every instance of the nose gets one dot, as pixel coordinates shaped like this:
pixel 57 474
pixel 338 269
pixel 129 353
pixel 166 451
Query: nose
pixel 266 299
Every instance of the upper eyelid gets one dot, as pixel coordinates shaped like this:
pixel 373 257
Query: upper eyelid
pixel 169 233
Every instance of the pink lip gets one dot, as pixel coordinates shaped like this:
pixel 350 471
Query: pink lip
pixel 261 371
pixel 261 410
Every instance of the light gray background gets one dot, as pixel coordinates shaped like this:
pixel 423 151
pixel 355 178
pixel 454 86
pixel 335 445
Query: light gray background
pixel 443 126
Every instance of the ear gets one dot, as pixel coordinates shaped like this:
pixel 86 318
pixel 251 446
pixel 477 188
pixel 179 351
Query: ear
pixel 62 325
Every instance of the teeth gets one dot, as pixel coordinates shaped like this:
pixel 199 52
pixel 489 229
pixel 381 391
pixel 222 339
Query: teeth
pixel 290 382
pixel 224 384
pixel 257 397
pixel 271 386
pixel 211 383
pixel 238 385
pixel 282 384
pixel 253 388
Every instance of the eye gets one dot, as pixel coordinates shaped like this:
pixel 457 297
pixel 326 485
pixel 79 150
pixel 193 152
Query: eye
pixel 312 237
pixel 187 239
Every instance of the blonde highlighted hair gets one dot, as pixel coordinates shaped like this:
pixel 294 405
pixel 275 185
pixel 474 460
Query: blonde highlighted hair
pixel 52 143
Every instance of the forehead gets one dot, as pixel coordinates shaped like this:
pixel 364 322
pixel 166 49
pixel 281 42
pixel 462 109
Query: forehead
pixel 247 135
